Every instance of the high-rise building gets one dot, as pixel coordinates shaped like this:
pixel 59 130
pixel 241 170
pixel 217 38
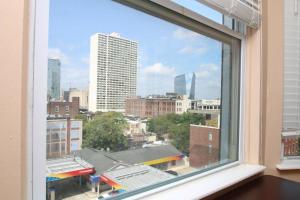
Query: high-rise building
pixel 180 84
pixel 113 69
pixel 193 87
pixel 54 78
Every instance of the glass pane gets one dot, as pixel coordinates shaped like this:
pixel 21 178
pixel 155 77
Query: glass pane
pixel 148 101
pixel 201 9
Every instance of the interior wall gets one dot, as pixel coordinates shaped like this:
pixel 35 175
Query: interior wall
pixel 252 92
pixel 13 65
pixel 272 91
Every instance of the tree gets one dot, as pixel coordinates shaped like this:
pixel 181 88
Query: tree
pixel 81 117
pixel 180 137
pixel 177 127
pixel 106 131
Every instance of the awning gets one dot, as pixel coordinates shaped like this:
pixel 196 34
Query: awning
pixel 62 168
pixel 163 160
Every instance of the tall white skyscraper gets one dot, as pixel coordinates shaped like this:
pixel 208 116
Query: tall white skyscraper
pixel 113 69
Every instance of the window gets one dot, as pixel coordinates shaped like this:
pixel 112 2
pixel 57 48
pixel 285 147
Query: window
pixel 67 108
pixel 139 86
pixel 291 112
pixel 56 109
pixel 210 137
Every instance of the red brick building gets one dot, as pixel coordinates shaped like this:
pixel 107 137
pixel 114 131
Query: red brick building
pixel 149 107
pixel 204 145
pixel 291 145
pixel 63 109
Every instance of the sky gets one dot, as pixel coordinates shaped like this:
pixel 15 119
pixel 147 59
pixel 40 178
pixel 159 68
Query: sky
pixel 164 49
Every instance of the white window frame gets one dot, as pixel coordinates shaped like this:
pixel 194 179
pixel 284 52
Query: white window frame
pixel 37 93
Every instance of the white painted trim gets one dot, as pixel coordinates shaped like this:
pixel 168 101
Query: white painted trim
pixel 290 133
pixel 194 189
pixel 242 102
pixel 198 17
pixel 29 108
pixel 289 164
pixel 37 96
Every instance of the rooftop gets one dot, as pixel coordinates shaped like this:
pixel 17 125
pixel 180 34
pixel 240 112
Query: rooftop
pixel 134 177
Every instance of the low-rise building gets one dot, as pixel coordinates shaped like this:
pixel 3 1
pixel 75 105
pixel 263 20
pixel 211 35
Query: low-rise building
pixel 63 137
pixel 183 104
pixel 291 143
pixel 164 157
pixel 150 106
pixel 135 127
pixel 63 108
pixel 204 145
pixel 209 108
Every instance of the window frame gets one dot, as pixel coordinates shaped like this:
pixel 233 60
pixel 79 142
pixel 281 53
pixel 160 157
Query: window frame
pixel 37 87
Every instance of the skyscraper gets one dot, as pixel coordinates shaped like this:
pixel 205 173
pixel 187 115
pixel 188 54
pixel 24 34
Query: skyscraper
pixel 54 78
pixel 193 87
pixel 180 84
pixel 113 69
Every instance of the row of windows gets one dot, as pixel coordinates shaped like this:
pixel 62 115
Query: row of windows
pixel 67 109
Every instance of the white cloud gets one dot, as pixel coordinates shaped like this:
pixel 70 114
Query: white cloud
pixel 57 53
pixel 202 74
pixel 159 69
pixel 185 34
pixel 155 79
pixel 192 50
pixel 210 67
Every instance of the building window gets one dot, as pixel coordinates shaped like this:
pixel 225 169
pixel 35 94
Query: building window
pixel 210 136
pixel 56 109
pixel 67 108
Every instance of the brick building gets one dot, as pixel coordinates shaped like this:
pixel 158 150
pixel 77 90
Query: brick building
pixel 63 109
pixel 149 107
pixel 291 144
pixel 204 145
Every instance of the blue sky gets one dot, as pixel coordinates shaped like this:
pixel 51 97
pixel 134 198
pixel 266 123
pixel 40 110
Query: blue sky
pixel 165 49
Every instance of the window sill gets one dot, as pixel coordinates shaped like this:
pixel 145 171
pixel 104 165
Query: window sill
pixel 203 186
pixel 289 164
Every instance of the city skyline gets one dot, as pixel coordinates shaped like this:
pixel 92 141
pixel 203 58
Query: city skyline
pixel 180 50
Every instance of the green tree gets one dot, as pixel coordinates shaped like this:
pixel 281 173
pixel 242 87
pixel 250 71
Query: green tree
pixel 105 131
pixel 180 137
pixel 82 117
pixel 177 127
